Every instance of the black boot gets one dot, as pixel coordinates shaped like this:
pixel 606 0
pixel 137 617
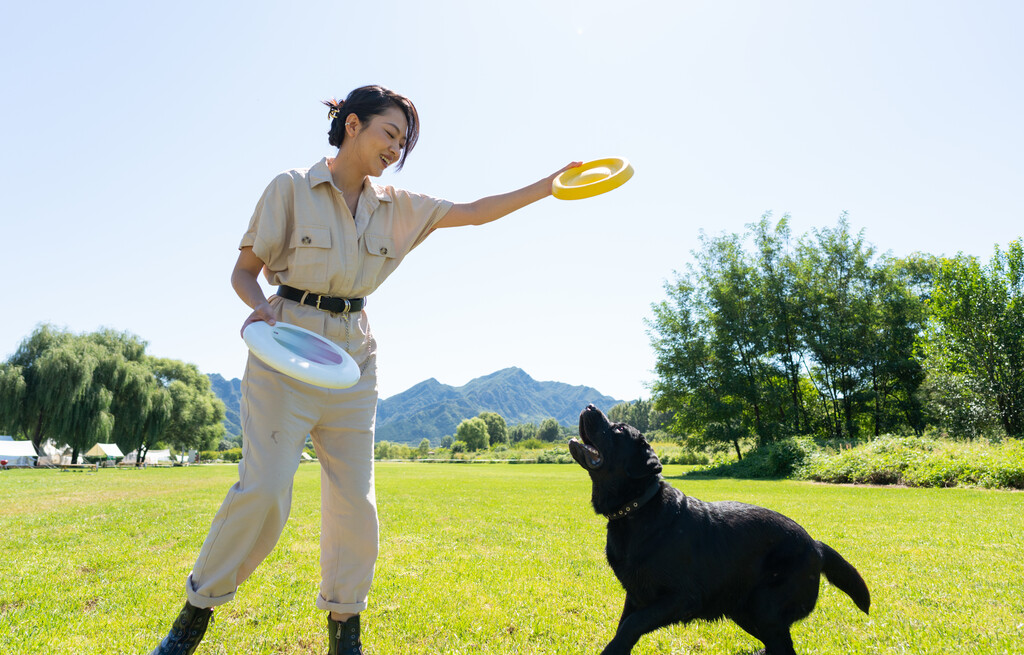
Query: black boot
pixel 186 633
pixel 343 637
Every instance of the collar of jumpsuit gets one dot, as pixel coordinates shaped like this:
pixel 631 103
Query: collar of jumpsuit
pixel 370 198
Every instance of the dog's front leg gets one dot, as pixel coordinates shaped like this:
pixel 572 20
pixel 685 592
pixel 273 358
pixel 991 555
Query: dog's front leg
pixel 628 608
pixel 637 621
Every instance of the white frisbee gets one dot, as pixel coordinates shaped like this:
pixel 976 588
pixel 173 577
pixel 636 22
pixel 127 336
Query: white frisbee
pixel 301 354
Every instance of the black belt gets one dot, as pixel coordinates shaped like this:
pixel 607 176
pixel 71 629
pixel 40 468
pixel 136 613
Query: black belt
pixel 324 303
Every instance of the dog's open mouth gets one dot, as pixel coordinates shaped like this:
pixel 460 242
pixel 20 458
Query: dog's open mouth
pixel 585 454
pixel 583 449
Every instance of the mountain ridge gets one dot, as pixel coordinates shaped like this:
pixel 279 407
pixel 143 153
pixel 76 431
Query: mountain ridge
pixel 433 410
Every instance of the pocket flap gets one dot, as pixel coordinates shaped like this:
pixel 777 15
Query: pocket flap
pixel 377 244
pixel 309 236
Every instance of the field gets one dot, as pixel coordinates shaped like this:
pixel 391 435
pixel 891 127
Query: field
pixel 491 559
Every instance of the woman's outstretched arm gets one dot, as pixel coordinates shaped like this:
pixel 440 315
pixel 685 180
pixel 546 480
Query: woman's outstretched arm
pixel 492 208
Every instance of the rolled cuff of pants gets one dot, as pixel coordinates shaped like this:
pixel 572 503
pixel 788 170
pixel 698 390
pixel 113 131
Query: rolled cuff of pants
pixel 340 608
pixel 195 600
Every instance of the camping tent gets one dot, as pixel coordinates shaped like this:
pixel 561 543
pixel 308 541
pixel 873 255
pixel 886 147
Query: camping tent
pixel 53 456
pixel 104 452
pixel 17 453
pixel 152 457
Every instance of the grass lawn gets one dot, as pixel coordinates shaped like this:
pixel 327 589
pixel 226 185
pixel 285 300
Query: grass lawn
pixel 491 559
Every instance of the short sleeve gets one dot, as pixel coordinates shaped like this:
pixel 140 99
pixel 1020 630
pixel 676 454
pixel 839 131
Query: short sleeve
pixel 270 223
pixel 416 215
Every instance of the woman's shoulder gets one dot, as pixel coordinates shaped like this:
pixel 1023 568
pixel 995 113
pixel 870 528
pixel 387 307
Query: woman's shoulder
pixel 318 172
pixel 386 192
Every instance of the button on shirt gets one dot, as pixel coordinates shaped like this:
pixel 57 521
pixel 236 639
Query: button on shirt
pixel 303 231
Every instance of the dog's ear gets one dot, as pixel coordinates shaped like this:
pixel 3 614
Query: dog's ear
pixel 644 463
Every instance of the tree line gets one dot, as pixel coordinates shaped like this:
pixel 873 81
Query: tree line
pixel 765 336
pixel 487 430
pixel 79 390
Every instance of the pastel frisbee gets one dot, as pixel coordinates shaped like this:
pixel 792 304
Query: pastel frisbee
pixel 593 178
pixel 301 354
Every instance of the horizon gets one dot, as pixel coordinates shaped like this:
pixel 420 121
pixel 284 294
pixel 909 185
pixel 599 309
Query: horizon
pixel 479 377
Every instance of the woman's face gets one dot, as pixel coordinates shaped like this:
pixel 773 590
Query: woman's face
pixel 379 141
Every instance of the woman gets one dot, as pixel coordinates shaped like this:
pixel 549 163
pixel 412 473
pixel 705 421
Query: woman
pixel 327 238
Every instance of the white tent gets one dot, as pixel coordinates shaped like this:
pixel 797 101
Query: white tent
pixel 52 456
pixel 152 457
pixel 105 451
pixel 17 453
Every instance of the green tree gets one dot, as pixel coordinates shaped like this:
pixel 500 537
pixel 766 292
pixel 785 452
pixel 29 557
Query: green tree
pixel 976 334
pixel 424 448
pixel 141 405
pixel 781 306
pixel 472 432
pixel 196 412
pixel 521 432
pixel 497 430
pixel 83 389
pixel 549 430
pixel 781 340
pixel 835 281
pixel 25 408
pixel 12 398
pixel 898 316
pixel 640 413
pixel 699 380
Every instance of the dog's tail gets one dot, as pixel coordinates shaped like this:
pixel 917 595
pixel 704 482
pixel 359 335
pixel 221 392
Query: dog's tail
pixel 842 574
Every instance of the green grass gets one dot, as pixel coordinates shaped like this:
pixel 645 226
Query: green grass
pixel 485 559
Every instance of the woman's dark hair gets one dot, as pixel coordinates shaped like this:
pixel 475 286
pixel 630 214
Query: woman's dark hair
pixel 366 102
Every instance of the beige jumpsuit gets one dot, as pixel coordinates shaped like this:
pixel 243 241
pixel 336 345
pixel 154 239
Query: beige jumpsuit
pixel 303 231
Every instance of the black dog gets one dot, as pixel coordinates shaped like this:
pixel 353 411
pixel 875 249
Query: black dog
pixel 681 559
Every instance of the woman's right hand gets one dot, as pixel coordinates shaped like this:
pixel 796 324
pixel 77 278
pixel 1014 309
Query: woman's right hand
pixel 263 312
pixel 246 285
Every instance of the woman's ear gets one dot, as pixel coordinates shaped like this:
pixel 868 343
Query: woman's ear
pixel 352 125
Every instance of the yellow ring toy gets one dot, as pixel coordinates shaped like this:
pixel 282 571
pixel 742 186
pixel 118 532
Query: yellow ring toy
pixel 591 179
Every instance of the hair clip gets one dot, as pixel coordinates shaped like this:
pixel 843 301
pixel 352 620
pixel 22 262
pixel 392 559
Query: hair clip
pixel 333 113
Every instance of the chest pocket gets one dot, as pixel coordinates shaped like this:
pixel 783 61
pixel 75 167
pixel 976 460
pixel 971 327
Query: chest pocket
pixel 379 251
pixel 310 248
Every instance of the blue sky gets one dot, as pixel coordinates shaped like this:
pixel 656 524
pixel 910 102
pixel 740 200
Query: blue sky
pixel 138 138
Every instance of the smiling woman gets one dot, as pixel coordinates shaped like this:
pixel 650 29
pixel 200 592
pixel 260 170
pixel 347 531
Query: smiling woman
pixel 327 238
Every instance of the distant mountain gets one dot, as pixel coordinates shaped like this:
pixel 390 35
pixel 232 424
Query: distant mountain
pixel 433 410
pixel 230 391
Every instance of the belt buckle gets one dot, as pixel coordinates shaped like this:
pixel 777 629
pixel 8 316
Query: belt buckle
pixel 318 297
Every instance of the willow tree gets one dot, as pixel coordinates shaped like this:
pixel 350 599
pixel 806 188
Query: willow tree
pixel 83 389
pixel 24 409
pixel 75 405
pixel 196 414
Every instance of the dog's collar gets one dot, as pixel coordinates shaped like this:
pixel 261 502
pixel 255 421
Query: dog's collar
pixel 634 505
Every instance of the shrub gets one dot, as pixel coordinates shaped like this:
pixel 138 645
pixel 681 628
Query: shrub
pixel 558 455
pixel 778 459
pixel 232 455
pixel 532 444
pixel 922 462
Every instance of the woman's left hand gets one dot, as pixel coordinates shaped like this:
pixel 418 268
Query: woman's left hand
pixel 551 178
